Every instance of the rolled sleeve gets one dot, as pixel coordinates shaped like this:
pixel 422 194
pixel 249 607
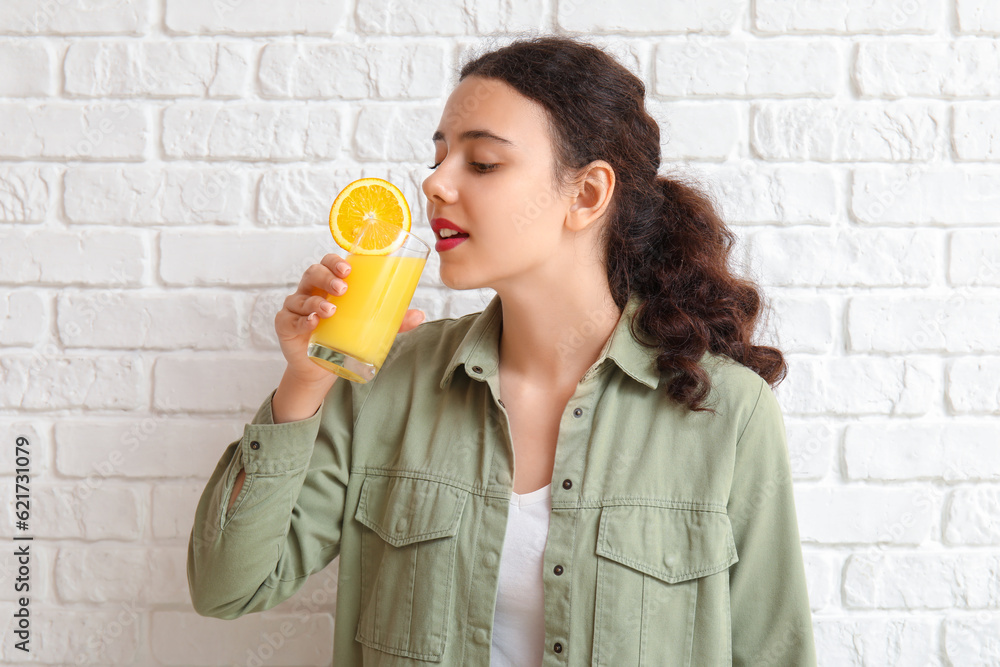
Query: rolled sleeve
pixel 272 449
pixel 286 522
pixel 772 622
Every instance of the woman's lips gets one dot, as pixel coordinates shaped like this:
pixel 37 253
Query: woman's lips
pixel 449 243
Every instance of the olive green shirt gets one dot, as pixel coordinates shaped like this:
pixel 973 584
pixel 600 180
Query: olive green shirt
pixel 672 538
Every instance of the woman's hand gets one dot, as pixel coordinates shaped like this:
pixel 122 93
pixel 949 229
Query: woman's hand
pixel 302 311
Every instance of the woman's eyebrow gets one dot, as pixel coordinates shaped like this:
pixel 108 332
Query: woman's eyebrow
pixel 476 134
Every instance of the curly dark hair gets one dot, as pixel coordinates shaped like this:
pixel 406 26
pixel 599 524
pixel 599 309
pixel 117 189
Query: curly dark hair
pixel 664 239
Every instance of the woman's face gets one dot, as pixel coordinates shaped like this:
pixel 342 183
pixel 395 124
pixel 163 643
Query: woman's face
pixel 494 180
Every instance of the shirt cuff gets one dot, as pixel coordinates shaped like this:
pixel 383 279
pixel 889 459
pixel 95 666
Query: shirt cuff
pixel 273 449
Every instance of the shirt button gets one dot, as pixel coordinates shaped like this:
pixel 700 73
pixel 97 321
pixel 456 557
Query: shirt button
pixel 577 412
pixel 481 636
pixel 567 484
pixel 557 648
pixel 477 369
pixel 254 445
pixel 558 569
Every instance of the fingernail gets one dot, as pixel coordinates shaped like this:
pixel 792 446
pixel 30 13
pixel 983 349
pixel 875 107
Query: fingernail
pixel 345 268
pixel 328 307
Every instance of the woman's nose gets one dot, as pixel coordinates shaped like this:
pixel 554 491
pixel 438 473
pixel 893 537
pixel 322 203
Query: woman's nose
pixel 437 186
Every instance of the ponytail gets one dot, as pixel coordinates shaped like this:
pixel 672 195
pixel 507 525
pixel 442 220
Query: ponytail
pixel 692 303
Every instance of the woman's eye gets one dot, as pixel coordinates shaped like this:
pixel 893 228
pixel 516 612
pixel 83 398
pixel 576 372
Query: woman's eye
pixel 481 167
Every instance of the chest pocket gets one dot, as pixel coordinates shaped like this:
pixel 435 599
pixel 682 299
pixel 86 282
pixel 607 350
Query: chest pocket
pixel 663 587
pixel 407 564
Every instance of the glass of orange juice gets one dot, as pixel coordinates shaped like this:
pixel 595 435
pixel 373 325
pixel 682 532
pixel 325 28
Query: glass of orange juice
pixel 356 339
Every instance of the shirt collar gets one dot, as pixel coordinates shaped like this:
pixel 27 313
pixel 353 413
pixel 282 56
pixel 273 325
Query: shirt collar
pixel 480 348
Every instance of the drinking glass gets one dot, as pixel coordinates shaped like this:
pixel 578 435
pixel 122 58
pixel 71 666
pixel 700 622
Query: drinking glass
pixel 356 339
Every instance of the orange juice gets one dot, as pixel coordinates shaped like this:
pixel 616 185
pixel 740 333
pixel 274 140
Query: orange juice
pixel 370 312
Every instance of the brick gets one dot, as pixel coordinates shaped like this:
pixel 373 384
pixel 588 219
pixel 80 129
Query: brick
pixel 242 258
pixel 251 131
pixel 154 446
pixel 80 637
pixel 978 16
pixel 59 17
pixel 928 69
pixel 682 124
pixel 869 641
pixel 174 505
pixel 254 17
pixel 27 69
pixel 974 385
pixel 953 196
pixel 849 16
pixel 145 195
pixel 811 447
pixel 126 319
pixel 51 381
pixel 89 510
pixel 700 66
pixel 947 580
pixel 971 640
pixel 381 70
pixel 260 327
pixel 976 134
pixel 38 434
pixel 24 317
pixel 156 69
pixel 844 257
pixel 40 588
pixel 858 385
pixel 591 16
pixel 188 383
pixel 76 131
pixel 848 131
pixel 396 133
pixel 86 257
pixel 752 192
pixel 25 193
pixel 971 514
pixel 946 323
pixel 450 17
pixel 821 580
pixel 949 451
pixel 974 258
pixel 857 514
pixel 300 638
pixel 98 574
pixel 295 196
pixel 799 324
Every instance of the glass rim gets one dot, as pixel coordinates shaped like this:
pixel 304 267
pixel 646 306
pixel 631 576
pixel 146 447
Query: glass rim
pixel 408 236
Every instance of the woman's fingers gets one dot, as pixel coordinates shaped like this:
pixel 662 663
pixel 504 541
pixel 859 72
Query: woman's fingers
pixel 288 325
pixel 412 320
pixel 320 277
pixel 302 304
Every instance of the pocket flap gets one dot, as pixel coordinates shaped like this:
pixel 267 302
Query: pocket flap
pixel 403 510
pixel 669 544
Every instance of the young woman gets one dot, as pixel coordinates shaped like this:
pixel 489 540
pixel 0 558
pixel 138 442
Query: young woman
pixel 590 471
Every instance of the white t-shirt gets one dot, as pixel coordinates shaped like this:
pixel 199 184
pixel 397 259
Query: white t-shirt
pixel 519 618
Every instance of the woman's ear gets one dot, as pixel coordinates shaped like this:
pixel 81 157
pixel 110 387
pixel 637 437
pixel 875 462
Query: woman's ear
pixel 594 190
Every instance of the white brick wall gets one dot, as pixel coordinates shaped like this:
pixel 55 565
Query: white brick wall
pixel 166 169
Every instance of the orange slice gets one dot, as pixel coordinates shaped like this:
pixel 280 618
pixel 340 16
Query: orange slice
pixel 372 205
